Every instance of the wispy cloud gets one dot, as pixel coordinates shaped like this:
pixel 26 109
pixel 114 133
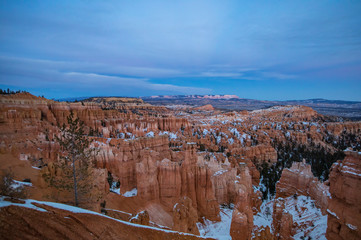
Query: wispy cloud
pixel 52 74
pixel 180 46
pixel 276 75
pixel 221 74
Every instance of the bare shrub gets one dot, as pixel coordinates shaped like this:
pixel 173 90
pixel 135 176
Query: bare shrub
pixel 8 187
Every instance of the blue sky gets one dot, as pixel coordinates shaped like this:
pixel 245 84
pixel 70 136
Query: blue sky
pixel 271 50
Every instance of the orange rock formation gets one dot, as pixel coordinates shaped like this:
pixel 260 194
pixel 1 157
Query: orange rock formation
pixel 344 209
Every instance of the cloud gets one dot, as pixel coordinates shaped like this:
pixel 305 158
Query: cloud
pixel 276 75
pixel 94 79
pixel 82 66
pixel 183 46
pixel 22 72
pixel 221 74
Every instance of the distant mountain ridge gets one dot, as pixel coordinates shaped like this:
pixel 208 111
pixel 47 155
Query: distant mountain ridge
pixel 322 100
pixel 73 99
pixel 342 108
pixel 312 100
pixel 194 96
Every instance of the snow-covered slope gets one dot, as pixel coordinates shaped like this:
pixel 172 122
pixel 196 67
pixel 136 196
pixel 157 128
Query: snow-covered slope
pixel 309 219
pixel 218 230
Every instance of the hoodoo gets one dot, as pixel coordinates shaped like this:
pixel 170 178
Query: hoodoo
pixel 197 171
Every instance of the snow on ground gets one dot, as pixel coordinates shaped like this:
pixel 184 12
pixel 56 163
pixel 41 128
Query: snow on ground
pixel 218 230
pixel 308 218
pixel 27 204
pixel 220 172
pixel 171 135
pixel 114 188
pixel 17 184
pixel 115 210
pixel 264 217
pixel 131 193
pixel 304 212
pixel 150 134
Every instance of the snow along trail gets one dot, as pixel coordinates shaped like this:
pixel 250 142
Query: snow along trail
pixel 28 204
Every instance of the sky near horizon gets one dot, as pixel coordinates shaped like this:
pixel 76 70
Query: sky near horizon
pixel 268 50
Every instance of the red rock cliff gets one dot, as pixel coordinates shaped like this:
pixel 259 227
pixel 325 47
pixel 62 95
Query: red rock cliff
pixel 344 210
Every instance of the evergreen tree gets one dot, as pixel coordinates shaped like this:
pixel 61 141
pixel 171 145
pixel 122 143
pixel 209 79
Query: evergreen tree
pixel 75 160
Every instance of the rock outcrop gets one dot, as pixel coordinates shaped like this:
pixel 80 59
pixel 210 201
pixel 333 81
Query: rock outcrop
pixel 185 216
pixel 282 221
pixel 344 209
pixel 207 107
pixel 300 204
pixel 299 180
pixel 242 217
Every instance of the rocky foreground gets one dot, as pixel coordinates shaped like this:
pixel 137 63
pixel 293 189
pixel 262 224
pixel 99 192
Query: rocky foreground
pixel 263 174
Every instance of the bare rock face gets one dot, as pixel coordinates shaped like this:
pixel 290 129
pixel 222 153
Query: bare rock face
pixel 337 129
pixel 185 216
pixel 258 153
pixel 170 182
pixel 129 160
pixel 282 221
pixel 242 217
pixel 240 225
pixel 344 210
pixel 299 180
pixel 197 185
pixel 208 205
pixel 146 176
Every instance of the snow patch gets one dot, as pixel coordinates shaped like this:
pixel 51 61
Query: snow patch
pixel 131 193
pixel 27 204
pixel 220 172
pixel 114 188
pixel 150 134
pixel 303 210
pixel 218 230
pixel 18 184
pixel 171 135
pixel 352 227
pixel 264 217
pixel 332 213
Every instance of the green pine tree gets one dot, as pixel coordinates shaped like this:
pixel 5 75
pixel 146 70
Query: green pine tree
pixel 75 159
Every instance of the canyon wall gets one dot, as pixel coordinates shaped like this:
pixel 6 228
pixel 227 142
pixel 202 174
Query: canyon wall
pixel 344 210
